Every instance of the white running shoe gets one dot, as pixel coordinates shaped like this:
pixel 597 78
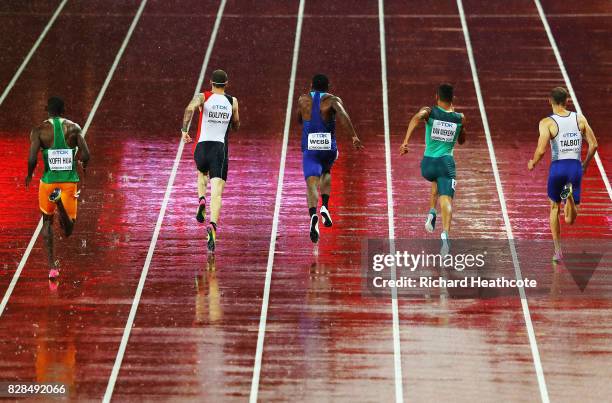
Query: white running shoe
pixel 445 249
pixel 430 222
pixel 314 228
pixel 326 216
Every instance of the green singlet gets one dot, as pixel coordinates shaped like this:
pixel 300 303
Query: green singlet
pixel 60 160
pixel 441 133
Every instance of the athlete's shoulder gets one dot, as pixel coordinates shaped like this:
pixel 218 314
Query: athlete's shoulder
pixel 331 99
pixel 547 120
pixel 304 98
pixel 424 112
pixel 41 125
pixel 70 124
pixel 548 125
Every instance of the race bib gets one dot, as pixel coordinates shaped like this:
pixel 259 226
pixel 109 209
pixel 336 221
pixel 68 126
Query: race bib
pixel 60 159
pixel 319 141
pixel 443 131
pixel 571 143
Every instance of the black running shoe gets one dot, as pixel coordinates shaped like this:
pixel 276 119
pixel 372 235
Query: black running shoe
pixel 212 236
pixel 314 228
pixel 55 195
pixel 201 214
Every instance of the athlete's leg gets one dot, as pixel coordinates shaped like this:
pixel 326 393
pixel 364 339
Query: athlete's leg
pixel 430 172
pixel 313 167
pixel 203 167
pixel 202 184
pixel 446 205
pixel 64 192
pixel 66 223
pixel 312 196
pixel 216 191
pixel 570 210
pixel 47 232
pixel 312 193
pixel 325 186
pixel 573 199
pixel 446 191
pixel 555 228
pixel 430 221
pixel 433 199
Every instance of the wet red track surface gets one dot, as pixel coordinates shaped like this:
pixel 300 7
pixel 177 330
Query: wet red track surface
pixel 196 329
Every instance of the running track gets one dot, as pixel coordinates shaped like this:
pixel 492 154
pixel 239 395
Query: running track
pixel 196 331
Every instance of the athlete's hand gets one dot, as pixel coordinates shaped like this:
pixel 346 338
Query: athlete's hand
pixel 186 137
pixel 404 149
pixel 28 180
pixel 357 143
pixel 584 168
pixel 530 165
pixel 83 165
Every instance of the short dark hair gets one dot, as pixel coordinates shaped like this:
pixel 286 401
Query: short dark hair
pixel 559 95
pixel 320 82
pixel 55 106
pixel 445 92
pixel 219 78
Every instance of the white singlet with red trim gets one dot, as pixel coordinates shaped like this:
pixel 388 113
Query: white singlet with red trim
pixel 215 117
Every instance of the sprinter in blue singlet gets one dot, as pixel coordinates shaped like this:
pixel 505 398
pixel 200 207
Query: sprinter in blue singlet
pixel 564 130
pixel 317 111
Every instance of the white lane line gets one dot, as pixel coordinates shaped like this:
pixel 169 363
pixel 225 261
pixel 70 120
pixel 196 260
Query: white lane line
pixel 111 72
pixel 279 193
pixel 397 355
pixel 160 218
pixel 568 84
pixel 25 62
pixel 502 200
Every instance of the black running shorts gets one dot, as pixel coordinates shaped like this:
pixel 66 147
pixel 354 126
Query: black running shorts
pixel 211 158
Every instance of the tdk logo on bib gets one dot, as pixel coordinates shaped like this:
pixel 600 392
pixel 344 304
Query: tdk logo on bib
pixel 319 141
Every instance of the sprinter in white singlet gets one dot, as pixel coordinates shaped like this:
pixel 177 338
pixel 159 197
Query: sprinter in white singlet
pixel 218 113
pixel 564 130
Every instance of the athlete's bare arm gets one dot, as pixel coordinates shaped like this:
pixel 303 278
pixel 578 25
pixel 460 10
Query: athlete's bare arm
pixel 461 138
pixel 421 116
pixel 545 133
pixel 235 114
pixel 589 136
pixel 303 107
pixel 195 103
pixel 33 155
pixel 84 156
pixel 345 120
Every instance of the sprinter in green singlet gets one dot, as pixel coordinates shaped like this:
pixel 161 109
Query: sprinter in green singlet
pixel 57 139
pixel 443 128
